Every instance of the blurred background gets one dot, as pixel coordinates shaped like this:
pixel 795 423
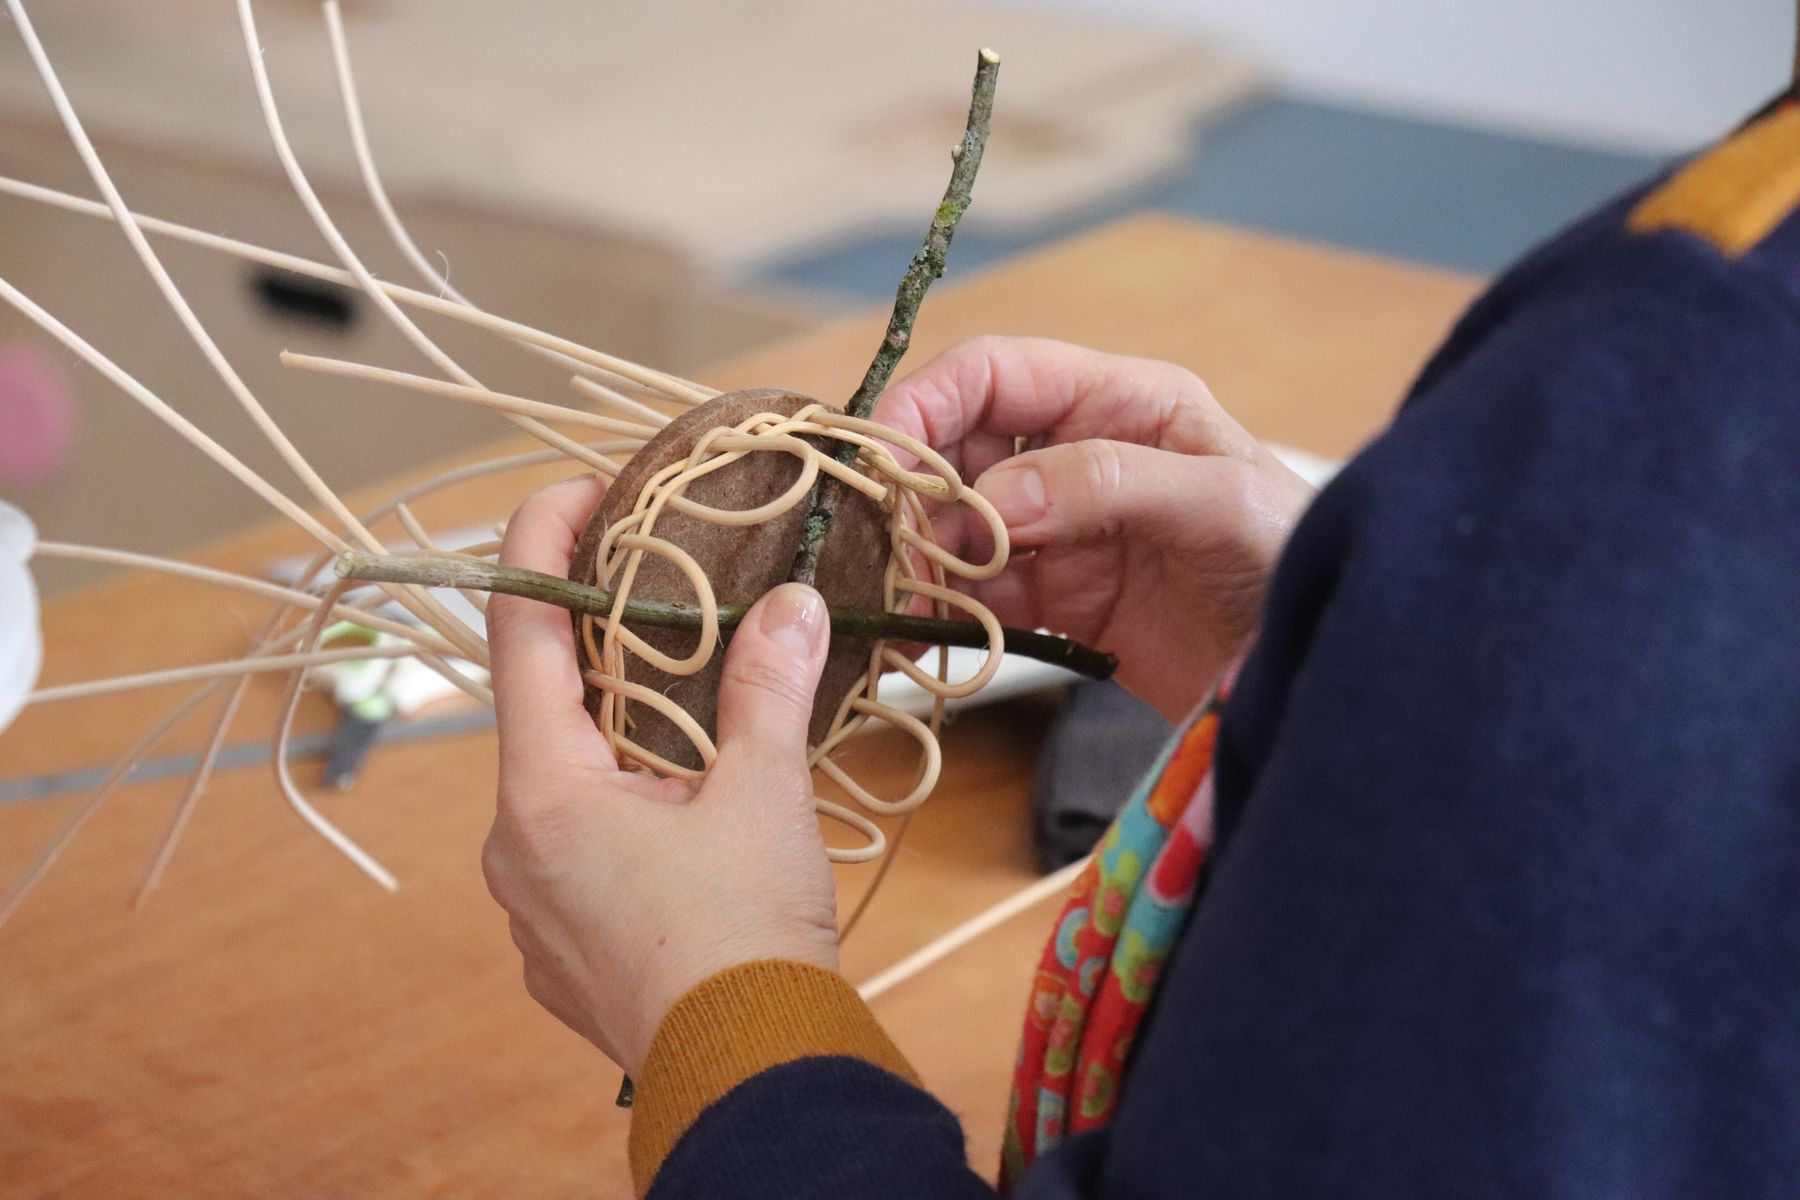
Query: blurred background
pixel 683 181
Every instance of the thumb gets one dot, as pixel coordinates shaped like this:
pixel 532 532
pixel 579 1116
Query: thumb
pixel 772 669
pixel 1089 490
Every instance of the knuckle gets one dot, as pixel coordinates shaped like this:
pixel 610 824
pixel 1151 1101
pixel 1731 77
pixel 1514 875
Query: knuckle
pixel 982 346
pixel 1236 482
pixel 976 363
pixel 505 614
pixel 494 868
pixel 538 986
pixel 957 380
pixel 531 834
pixel 524 517
pixel 777 681
pixel 546 831
pixel 1095 469
pixel 1243 489
pixel 1179 388
pixel 756 776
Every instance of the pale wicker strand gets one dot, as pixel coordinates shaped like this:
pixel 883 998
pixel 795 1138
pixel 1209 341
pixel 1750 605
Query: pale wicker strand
pixel 609 647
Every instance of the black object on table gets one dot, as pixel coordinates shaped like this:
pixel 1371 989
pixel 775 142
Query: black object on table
pixel 1097 748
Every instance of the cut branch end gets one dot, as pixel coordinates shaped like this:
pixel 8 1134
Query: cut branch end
pixel 927 265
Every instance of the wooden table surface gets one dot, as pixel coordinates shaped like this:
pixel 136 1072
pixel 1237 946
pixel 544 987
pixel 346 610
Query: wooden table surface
pixel 274 1025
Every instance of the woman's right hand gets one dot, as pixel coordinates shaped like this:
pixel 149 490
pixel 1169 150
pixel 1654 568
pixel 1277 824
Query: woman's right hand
pixel 1144 520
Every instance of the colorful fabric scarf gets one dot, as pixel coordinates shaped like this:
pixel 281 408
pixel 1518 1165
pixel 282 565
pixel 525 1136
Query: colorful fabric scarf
pixel 1101 967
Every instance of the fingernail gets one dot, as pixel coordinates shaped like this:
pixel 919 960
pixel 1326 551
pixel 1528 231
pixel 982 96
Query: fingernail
pixel 793 617
pixel 1017 493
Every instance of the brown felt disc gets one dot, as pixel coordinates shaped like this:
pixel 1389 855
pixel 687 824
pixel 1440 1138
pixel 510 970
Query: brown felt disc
pixel 742 563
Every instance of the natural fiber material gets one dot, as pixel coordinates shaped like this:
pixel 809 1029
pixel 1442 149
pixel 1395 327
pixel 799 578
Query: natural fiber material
pixel 710 523
pixel 904 567
pixel 735 1025
pixel 741 562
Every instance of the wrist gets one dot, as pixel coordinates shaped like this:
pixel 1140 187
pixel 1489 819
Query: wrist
pixel 673 975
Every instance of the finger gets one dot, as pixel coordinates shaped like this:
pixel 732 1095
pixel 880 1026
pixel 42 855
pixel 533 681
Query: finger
pixel 1092 490
pixel 771 672
pixel 537 676
pixel 1056 392
pixel 981 450
pixel 1013 595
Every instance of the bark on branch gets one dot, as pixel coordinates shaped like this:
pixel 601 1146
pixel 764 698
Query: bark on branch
pixel 927 266
pixel 452 571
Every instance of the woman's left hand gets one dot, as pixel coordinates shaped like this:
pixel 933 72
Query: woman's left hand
pixel 625 891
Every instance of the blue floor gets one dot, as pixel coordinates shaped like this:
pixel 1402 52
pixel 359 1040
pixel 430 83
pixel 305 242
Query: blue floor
pixel 1391 185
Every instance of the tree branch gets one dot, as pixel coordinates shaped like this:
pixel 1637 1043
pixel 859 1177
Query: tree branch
pixel 451 571
pixel 927 266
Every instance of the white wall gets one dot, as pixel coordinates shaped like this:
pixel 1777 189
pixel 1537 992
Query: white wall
pixel 1652 74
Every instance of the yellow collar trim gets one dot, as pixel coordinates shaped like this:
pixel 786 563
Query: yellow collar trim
pixel 1735 194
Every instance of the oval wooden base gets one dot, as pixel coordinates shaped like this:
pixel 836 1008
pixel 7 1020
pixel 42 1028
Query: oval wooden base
pixel 742 563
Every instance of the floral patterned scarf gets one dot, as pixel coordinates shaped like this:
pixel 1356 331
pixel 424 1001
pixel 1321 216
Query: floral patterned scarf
pixel 1103 961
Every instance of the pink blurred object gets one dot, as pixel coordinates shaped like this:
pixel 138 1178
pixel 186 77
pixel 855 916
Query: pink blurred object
pixel 37 416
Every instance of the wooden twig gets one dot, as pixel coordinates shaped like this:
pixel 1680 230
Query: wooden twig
pixel 927 266
pixel 451 571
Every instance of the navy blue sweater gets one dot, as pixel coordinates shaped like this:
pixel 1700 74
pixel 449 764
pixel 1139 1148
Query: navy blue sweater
pixel 1507 898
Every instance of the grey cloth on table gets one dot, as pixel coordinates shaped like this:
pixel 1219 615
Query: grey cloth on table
pixel 1097 748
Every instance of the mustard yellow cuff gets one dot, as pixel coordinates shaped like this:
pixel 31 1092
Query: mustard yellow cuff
pixel 736 1024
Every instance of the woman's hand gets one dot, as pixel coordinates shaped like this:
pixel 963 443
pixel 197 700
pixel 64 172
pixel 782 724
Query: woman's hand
pixel 1144 520
pixel 625 891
